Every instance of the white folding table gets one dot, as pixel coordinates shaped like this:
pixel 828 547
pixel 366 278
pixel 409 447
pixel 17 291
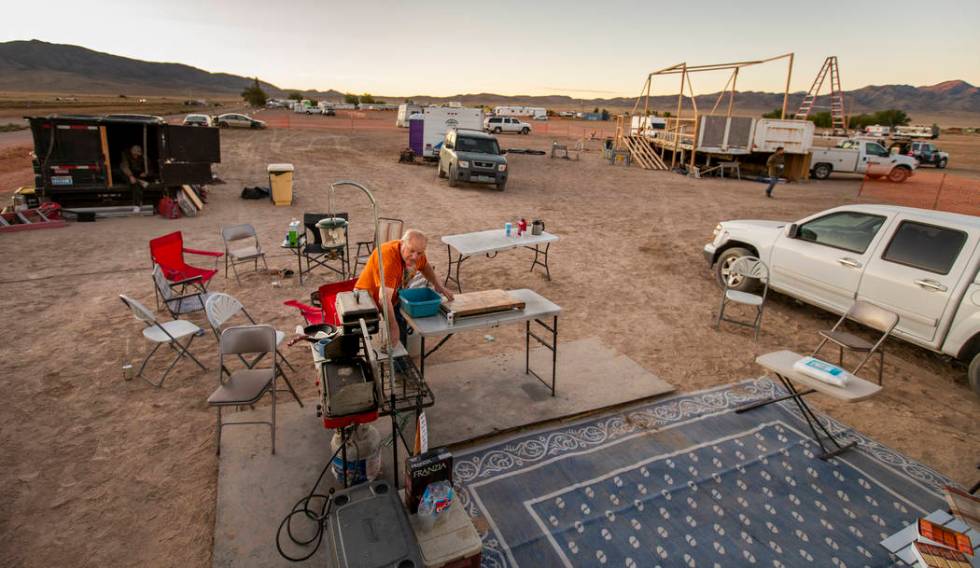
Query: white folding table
pixel 536 309
pixel 781 364
pixel 490 243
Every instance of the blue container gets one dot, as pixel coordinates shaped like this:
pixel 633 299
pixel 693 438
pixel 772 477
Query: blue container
pixel 420 302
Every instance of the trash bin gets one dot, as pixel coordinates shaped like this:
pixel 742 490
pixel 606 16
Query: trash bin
pixel 281 183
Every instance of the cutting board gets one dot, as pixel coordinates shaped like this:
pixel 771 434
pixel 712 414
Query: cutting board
pixel 483 302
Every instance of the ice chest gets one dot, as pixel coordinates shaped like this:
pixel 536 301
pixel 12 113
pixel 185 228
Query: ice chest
pixel 452 543
pixel 281 183
pixel 368 528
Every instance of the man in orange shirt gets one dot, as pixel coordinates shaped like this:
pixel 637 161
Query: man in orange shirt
pixel 403 259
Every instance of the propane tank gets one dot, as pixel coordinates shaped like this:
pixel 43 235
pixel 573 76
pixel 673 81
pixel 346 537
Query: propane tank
pixel 363 454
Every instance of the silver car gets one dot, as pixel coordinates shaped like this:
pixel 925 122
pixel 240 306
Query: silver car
pixel 234 120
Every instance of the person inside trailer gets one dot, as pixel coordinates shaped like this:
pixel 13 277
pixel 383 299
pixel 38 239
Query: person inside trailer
pixel 402 259
pixel 133 169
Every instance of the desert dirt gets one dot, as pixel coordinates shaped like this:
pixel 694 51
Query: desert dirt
pixel 99 471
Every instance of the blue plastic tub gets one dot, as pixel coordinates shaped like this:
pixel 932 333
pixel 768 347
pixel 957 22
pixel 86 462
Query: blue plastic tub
pixel 420 302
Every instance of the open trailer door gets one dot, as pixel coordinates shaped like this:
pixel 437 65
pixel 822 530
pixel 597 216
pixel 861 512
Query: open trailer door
pixel 187 153
pixel 70 155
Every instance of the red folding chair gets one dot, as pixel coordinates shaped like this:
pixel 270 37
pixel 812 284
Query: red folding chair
pixel 326 297
pixel 168 251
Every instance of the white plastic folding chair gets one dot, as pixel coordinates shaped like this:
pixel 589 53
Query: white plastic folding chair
pixel 220 308
pixel 746 267
pixel 245 387
pixel 247 250
pixel 169 332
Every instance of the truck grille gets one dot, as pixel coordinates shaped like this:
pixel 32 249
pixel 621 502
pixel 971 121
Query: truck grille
pixel 487 165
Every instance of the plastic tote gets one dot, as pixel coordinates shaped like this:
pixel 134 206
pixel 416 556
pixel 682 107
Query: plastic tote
pixel 420 302
pixel 281 182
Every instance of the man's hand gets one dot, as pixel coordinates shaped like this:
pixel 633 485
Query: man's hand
pixel 445 292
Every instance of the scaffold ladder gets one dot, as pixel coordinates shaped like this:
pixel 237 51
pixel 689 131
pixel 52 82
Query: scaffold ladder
pixel 838 118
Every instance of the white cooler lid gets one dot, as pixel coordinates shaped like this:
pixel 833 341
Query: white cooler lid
pixel 278 168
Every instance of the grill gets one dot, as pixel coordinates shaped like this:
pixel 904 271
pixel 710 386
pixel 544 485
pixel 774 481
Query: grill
pixel 487 165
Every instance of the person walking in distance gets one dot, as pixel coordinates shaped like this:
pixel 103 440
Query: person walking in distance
pixel 775 163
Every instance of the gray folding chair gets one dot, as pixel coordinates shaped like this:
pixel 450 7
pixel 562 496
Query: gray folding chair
pixel 867 314
pixel 745 267
pixel 246 386
pixel 247 249
pixel 220 308
pixel 389 229
pixel 168 332
pixel 182 297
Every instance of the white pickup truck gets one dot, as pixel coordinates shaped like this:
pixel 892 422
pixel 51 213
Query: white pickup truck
pixel 922 265
pixel 861 157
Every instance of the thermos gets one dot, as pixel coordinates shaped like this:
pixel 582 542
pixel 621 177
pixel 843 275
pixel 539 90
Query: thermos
pixel 537 227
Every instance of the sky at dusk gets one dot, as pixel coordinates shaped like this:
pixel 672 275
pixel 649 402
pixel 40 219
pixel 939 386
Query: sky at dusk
pixel 600 49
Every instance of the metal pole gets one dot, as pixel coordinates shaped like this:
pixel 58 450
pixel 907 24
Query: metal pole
pixel 789 75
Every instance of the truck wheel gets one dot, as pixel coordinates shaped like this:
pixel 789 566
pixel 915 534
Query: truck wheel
pixel 497 130
pixel 442 174
pixel 723 266
pixel 973 374
pixel 941 164
pixel 501 186
pixel 899 174
pixel 822 171
pixel 453 180
pixel 525 130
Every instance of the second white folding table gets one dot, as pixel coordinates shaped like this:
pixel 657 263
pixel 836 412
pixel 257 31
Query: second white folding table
pixel 491 242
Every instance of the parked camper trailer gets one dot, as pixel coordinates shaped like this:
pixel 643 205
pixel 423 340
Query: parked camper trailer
pixel 916 131
pixel 437 120
pixel 877 130
pixel 406 110
pixel 649 126
pixel 520 111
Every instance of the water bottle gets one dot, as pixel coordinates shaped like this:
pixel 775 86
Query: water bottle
pixel 293 232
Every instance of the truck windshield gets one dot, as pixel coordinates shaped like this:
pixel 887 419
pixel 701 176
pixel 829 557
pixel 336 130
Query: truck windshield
pixel 478 145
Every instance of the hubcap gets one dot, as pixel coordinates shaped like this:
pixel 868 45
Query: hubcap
pixel 733 280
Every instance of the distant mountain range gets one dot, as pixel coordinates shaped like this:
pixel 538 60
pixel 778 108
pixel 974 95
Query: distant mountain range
pixel 37 66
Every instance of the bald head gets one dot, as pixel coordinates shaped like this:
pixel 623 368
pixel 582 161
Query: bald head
pixel 413 246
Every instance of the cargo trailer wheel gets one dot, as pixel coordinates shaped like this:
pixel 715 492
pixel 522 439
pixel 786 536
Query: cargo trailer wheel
pixel 899 174
pixel 941 164
pixel 453 179
pixel 822 171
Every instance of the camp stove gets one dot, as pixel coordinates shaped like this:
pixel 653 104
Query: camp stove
pixel 348 383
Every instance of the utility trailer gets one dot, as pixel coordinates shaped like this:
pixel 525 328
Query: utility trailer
pixel 77 157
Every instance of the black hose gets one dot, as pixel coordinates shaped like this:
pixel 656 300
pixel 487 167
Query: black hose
pixel 318 517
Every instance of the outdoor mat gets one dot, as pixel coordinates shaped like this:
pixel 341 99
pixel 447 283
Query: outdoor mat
pixel 687 482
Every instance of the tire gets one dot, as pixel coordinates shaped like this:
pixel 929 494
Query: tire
pixel 501 186
pixel 973 374
pixel 822 171
pixel 525 131
pixel 442 174
pixel 222 124
pixel 899 174
pixel 941 164
pixel 453 180
pixel 497 130
pixel 724 263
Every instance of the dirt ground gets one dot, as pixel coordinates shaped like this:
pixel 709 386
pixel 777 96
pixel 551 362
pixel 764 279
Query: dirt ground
pixel 107 472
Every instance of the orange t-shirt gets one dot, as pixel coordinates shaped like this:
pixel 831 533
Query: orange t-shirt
pixel 396 273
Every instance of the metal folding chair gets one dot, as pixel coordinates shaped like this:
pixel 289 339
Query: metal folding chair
pixel 867 314
pixel 181 297
pixel 245 387
pixel 745 267
pixel 389 229
pixel 220 308
pixel 247 250
pixel 168 332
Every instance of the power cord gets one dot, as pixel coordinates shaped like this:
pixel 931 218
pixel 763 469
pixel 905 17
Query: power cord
pixel 303 506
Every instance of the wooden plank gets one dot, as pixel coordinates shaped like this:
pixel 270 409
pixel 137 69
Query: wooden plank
pixel 105 155
pixel 482 302
pixel 192 195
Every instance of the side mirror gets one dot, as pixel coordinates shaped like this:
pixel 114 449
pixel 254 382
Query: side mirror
pixel 503 151
pixel 793 231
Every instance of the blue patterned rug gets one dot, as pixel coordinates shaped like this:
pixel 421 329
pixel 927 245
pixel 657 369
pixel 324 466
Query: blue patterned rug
pixel 687 482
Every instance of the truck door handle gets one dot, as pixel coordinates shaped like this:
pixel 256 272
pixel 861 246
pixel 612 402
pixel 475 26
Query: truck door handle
pixel 932 285
pixel 847 261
